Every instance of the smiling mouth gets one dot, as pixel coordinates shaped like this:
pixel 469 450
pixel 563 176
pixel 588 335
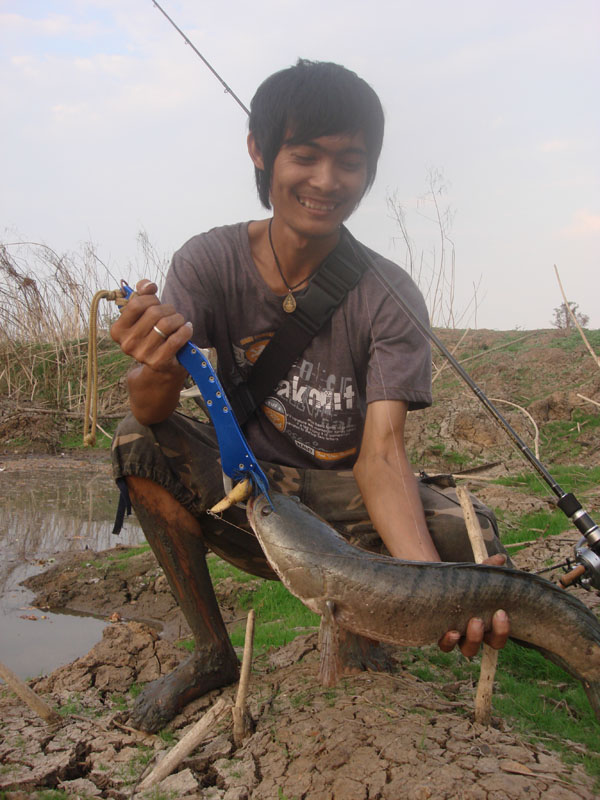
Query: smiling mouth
pixel 316 205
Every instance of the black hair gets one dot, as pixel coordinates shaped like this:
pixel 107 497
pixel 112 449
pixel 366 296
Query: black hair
pixel 310 100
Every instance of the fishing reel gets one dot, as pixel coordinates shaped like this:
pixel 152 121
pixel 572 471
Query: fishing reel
pixel 584 569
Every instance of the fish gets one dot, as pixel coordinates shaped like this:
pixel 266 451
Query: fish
pixel 413 603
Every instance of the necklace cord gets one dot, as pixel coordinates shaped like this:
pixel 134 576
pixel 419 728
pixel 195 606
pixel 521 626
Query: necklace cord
pixel 289 301
pixel 287 286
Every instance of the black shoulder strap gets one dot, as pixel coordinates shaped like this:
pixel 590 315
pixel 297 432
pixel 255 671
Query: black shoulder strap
pixel 340 272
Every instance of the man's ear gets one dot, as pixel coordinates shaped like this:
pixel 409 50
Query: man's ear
pixel 255 153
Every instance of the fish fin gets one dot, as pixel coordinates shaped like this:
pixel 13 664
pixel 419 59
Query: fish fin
pixel 329 669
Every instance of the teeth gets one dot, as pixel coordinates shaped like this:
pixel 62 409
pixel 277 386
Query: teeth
pixel 316 206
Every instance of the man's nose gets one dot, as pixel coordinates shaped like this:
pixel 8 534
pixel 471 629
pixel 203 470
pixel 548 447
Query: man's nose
pixel 325 177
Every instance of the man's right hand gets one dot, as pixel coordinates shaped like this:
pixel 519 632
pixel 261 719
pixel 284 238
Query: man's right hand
pixel 152 332
pixel 149 331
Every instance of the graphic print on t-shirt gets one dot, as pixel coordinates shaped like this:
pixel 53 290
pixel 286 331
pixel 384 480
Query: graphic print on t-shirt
pixel 313 406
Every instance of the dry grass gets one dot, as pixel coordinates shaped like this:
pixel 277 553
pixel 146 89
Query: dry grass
pixel 44 306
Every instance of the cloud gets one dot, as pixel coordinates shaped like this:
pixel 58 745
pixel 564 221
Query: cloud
pixel 52 25
pixel 583 223
pixel 555 146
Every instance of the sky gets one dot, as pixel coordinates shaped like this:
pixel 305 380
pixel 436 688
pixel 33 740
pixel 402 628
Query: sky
pixel 112 126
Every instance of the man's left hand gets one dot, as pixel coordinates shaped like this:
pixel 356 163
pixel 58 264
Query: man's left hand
pixel 476 634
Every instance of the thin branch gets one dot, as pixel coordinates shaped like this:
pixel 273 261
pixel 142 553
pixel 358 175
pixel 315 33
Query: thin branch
pixel 575 320
pixel 589 399
pixel 536 440
pixel 445 363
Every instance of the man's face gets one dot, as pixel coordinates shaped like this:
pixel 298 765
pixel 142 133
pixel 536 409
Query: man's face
pixel 316 185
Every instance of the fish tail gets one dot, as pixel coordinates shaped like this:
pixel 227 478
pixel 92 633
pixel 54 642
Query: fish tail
pixel 592 689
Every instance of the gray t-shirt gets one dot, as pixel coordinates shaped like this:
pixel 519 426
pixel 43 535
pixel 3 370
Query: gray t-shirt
pixel 367 351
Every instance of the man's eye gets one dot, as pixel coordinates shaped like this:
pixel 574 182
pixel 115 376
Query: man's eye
pixel 352 166
pixel 303 158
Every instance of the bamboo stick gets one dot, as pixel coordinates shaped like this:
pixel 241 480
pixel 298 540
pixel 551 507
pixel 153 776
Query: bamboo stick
pixel 239 711
pixel 185 745
pixel 29 697
pixel 489 656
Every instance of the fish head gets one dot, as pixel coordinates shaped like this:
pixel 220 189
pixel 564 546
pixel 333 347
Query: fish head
pixel 265 513
pixel 294 540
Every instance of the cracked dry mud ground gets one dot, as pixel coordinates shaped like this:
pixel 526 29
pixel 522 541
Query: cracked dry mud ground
pixel 373 737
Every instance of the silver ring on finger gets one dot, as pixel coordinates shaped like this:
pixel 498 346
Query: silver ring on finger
pixel 160 333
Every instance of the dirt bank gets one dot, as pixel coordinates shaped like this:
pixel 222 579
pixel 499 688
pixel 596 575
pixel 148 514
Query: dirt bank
pixel 373 737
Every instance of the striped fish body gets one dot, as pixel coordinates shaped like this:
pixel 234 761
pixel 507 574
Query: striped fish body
pixel 413 603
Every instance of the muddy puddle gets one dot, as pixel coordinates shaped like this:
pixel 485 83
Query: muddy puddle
pixel 47 509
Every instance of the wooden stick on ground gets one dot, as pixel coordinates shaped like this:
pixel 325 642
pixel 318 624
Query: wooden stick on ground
pixel 28 696
pixel 489 656
pixel 185 745
pixel 239 711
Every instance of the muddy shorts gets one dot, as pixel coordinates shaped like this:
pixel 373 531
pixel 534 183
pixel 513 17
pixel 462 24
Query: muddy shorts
pixel 182 455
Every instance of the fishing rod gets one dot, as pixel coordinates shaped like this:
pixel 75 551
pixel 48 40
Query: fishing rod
pixel 587 552
pixel 586 569
pixel 228 89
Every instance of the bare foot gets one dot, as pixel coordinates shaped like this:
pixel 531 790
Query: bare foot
pixel 162 699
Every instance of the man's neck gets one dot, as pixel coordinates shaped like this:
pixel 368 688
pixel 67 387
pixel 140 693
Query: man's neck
pixel 298 255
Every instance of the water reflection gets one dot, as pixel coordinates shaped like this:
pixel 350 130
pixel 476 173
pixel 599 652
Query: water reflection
pixel 45 511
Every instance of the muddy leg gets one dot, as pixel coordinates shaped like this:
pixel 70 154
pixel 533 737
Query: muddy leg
pixel 358 653
pixel 176 539
pixel 346 653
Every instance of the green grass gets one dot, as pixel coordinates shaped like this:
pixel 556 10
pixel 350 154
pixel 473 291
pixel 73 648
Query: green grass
pixel 133 768
pixel 539 524
pixel 450 458
pixel 570 478
pixel 573 341
pixel 563 437
pixel 120 559
pixel 541 700
pixel 72 706
pixel 220 569
pixel 186 644
pixel 135 690
pixel 168 737
pixel 72 438
pixel 124 555
pixel 118 701
pixel 280 616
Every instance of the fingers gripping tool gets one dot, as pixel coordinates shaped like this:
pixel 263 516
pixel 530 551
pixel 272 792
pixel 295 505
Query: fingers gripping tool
pixel 237 459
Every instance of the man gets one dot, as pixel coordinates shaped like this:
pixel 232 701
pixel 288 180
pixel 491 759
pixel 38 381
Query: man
pixel 333 430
